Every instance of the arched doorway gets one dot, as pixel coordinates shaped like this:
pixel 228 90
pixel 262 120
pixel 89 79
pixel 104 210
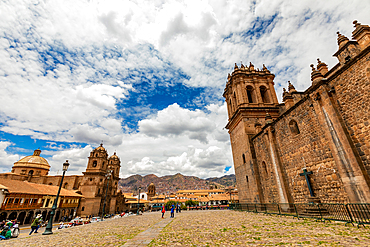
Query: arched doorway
pixel 12 216
pixel 3 216
pixel 21 217
pixel 48 217
pixel 57 215
pixel 29 218
pixel 44 215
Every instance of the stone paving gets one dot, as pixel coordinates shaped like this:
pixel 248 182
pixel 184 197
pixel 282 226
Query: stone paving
pixel 111 232
pixel 230 228
pixel 203 228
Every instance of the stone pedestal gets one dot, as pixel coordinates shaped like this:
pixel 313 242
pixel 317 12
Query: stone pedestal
pixel 313 199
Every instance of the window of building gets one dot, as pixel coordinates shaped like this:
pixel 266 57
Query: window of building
pixel 243 158
pixel 294 127
pixel 16 200
pixel 50 183
pixel 264 168
pixel 95 163
pixel 102 165
pixel 98 191
pixel 264 94
pixel 246 177
pixel 142 196
pixel 91 179
pixel 30 173
pixel 83 209
pixel 65 185
pixel 101 180
pixel 250 94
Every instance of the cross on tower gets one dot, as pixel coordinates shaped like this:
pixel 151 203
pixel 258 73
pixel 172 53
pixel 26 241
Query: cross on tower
pixel 306 173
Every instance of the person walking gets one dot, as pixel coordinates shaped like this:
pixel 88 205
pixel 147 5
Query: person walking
pixel 163 211
pixel 172 211
pixel 36 224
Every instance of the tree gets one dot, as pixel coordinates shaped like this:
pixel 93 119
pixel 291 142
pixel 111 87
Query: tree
pixel 170 203
pixel 191 203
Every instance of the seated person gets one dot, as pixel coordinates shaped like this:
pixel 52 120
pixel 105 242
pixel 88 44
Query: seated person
pixel 6 233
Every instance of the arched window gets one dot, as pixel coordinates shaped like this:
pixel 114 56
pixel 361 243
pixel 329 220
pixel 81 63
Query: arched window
pixel 264 94
pixel 230 105
pixel 243 158
pixel 95 163
pixel 30 173
pixel 264 168
pixel 83 209
pixel 50 183
pixel 65 185
pixel 250 94
pixel 235 101
pixel 98 191
pixel 96 155
pixel 294 127
pixel 102 166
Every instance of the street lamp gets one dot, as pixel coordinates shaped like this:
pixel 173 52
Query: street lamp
pixel 109 173
pixel 138 202
pixel 49 227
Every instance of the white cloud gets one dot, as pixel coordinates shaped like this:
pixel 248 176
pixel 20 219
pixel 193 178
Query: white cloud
pixel 6 159
pixel 66 66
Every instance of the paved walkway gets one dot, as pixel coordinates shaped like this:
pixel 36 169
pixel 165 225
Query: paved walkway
pixel 145 237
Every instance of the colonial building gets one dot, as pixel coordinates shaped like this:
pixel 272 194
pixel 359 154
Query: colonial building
pixel 23 200
pixel 313 147
pixel 94 185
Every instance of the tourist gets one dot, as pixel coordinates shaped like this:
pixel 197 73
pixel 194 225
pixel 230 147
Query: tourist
pixel 6 233
pixel 172 211
pixel 36 224
pixel 163 211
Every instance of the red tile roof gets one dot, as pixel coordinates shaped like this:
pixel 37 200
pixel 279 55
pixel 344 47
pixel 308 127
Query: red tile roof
pixel 23 187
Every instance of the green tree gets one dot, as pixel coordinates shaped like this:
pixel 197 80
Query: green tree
pixel 170 203
pixel 191 203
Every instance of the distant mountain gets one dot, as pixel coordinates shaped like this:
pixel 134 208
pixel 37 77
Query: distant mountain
pixel 227 180
pixel 173 183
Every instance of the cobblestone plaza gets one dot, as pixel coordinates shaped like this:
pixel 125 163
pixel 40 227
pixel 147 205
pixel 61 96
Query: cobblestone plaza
pixel 203 228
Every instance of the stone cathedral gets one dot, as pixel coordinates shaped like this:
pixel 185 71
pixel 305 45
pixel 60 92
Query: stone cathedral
pixel 313 147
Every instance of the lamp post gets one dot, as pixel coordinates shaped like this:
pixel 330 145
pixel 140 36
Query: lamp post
pixel 138 202
pixel 49 227
pixel 109 173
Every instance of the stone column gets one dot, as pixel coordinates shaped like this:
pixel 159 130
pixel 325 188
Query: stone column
pixel 276 165
pixel 349 168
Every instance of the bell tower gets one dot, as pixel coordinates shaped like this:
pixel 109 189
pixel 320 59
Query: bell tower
pixel 114 165
pixel 94 184
pixel 250 95
pixel 251 103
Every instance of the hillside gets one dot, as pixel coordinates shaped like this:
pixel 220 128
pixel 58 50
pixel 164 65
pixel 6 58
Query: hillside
pixel 172 183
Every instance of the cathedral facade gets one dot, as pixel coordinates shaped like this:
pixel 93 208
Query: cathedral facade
pixel 313 147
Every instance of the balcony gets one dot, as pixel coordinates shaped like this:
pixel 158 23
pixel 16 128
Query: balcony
pixel 68 205
pixel 20 206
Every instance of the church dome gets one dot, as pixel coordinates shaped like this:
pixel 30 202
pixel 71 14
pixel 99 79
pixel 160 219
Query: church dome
pixel 100 148
pixel 114 157
pixel 32 163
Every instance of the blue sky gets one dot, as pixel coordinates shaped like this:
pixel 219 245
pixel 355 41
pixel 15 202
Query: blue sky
pixel 146 77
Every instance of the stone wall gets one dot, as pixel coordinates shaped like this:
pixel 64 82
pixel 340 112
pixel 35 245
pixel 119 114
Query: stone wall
pixel 352 92
pixel 308 149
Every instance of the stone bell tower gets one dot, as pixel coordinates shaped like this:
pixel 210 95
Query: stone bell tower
pixel 251 103
pixel 93 184
pixel 114 164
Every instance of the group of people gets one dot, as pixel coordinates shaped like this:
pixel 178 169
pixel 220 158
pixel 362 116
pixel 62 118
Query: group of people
pixel 6 232
pixel 178 210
